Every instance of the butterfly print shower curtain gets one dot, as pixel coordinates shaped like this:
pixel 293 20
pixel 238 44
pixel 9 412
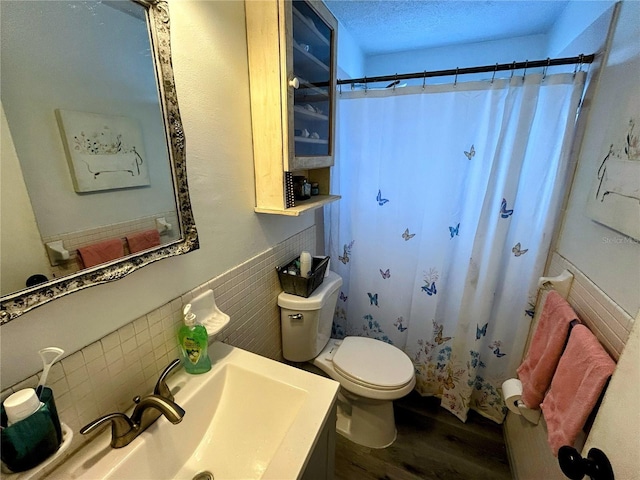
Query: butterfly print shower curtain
pixel 449 200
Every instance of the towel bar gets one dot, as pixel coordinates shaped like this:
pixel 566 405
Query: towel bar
pixel 560 283
pixel 57 253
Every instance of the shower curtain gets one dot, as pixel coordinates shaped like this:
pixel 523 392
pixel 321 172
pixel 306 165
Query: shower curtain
pixel 449 197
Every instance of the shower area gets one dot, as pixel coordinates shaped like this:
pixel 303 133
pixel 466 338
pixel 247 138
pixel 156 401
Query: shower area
pixel 451 193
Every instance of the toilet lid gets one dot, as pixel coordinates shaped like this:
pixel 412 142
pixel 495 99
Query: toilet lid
pixel 373 362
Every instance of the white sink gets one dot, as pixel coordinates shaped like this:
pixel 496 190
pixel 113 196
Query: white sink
pixel 248 418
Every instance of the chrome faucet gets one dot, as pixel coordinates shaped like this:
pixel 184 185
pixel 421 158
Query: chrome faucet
pixel 146 411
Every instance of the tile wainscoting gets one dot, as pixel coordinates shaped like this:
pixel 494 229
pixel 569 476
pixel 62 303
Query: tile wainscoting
pixel 105 376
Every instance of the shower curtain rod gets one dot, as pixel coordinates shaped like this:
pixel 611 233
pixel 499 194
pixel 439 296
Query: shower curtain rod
pixel 579 60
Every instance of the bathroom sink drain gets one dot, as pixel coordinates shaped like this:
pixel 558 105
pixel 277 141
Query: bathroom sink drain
pixel 203 476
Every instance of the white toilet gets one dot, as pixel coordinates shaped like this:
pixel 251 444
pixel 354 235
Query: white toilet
pixel 371 373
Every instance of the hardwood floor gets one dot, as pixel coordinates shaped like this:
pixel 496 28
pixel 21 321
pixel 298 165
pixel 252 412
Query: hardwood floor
pixel 431 444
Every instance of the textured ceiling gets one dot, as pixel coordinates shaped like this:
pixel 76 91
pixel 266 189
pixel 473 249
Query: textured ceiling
pixel 385 26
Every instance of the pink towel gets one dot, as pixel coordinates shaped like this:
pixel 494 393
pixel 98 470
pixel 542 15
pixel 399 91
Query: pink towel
pixel 101 252
pixel 581 375
pixel 143 240
pixel 550 336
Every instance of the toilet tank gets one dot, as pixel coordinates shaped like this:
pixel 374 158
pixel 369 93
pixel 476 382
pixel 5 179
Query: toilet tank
pixel 306 322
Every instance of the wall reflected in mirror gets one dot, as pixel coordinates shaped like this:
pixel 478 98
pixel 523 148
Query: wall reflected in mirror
pixel 94 58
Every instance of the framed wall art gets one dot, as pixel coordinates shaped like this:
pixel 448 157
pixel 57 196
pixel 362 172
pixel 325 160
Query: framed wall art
pixel 614 200
pixel 104 152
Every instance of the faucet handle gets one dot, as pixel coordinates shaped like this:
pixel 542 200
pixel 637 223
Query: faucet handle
pixel 120 426
pixel 161 388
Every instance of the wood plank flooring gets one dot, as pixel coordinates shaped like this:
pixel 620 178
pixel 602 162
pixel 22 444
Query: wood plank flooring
pixel 432 444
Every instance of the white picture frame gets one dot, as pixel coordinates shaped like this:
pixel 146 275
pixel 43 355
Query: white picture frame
pixel 104 152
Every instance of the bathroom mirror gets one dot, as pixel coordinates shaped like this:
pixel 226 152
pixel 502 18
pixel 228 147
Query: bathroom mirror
pixel 94 75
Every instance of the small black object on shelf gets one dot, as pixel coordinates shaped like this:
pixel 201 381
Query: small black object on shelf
pixel 301 188
pixel 596 465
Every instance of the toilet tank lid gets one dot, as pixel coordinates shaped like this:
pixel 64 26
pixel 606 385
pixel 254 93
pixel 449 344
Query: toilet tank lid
pixel 316 300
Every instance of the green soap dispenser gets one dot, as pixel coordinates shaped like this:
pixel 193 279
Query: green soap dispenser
pixel 194 342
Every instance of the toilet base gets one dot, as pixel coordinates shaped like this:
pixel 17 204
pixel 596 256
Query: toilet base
pixel 367 422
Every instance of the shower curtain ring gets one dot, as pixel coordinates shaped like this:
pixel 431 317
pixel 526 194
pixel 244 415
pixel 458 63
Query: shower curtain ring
pixel 395 81
pixel 424 80
pixel 513 69
pixel 339 89
pixel 493 77
pixel 546 67
pixel 578 64
pixel 524 73
pixel 455 81
pixel 365 85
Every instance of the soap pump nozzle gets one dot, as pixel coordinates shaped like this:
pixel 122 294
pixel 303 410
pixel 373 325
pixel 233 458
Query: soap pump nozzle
pixel 189 316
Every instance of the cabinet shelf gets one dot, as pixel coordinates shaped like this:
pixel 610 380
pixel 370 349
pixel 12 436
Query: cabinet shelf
pixel 300 110
pixel 302 206
pixel 317 90
pixel 307 65
pixel 311 57
pixel 318 141
pixel 310 93
pixel 310 33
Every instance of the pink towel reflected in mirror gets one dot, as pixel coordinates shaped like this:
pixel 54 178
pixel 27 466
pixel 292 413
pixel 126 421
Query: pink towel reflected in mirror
pixel 143 240
pixel 101 252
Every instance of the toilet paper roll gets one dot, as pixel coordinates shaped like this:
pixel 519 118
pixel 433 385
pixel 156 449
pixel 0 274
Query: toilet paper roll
pixel 512 393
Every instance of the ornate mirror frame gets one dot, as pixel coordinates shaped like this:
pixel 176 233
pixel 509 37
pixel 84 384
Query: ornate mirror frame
pixel 14 305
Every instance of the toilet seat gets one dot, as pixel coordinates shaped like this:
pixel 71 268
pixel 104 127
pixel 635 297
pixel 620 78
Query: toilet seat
pixel 373 364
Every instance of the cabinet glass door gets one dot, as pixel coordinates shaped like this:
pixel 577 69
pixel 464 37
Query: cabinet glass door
pixel 312 66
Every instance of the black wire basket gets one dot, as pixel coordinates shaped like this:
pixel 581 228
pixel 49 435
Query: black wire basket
pixel 301 286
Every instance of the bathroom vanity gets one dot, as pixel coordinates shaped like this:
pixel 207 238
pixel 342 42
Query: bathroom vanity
pixel 249 417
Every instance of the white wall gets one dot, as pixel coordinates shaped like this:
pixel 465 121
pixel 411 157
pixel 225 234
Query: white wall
pixel 609 258
pixel 572 24
pixel 18 229
pixel 210 64
pixel 471 55
pixel 350 55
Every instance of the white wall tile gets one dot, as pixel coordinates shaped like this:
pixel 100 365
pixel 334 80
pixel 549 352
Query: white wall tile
pixel 127 332
pixel 141 325
pixel 608 322
pixel 110 342
pixel 73 362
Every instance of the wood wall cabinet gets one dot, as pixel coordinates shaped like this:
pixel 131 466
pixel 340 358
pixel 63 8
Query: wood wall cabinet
pixel 292 73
